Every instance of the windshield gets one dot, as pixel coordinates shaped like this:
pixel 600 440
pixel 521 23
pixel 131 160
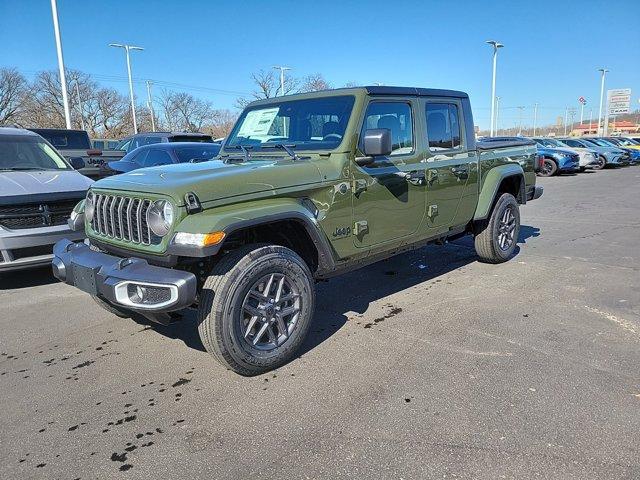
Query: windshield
pixel 310 124
pixel 626 142
pixel 186 154
pixel 546 142
pixel 66 139
pixel 26 152
pixel 601 143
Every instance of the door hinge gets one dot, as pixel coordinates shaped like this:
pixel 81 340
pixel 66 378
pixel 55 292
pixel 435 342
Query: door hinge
pixel 360 228
pixel 433 211
pixel 359 186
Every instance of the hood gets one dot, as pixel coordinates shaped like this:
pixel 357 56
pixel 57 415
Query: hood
pixel 215 180
pixel 122 166
pixel 556 151
pixel 39 182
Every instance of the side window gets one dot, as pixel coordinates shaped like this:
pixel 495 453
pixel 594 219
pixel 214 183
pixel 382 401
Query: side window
pixel 443 126
pixel 139 157
pixel 157 157
pixel 150 140
pixel 572 143
pixel 395 116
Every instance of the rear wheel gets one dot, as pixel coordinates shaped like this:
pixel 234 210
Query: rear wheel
pixel 256 308
pixel 549 168
pixel 496 237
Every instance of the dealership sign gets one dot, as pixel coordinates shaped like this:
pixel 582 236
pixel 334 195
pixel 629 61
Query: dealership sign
pixel 619 101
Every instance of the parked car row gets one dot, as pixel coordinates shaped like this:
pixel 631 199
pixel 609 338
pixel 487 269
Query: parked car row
pixel 45 172
pixel 569 155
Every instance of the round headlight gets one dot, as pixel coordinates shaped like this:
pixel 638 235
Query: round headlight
pixel 160 217
pixel 89 206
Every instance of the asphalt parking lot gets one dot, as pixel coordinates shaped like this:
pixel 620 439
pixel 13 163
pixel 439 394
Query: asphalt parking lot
pixel 428 365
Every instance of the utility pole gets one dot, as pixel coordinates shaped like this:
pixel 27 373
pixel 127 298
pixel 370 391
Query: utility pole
pixel 150 106
pixel 63 80
pixel 496 46
pixel 521 109
pixel 566 113
pixel 572 116
pixel 80 103
pixel 590 117
pixel 603 72
pixel 535 118
pixel 282 69
pixel 127 48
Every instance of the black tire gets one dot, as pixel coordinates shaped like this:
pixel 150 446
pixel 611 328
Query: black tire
pixel 582 169
pixel 602 162
pixel 488 240
pixel 222 315
pixel 549 168
pixel 118 312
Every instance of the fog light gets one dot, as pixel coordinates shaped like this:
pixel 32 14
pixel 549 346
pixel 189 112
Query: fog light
pixel 145 295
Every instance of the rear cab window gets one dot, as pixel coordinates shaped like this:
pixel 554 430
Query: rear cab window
pixel 66 139
pixel 444 131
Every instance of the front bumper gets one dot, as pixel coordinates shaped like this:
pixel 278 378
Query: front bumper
pixel 31 247
pixel 130 283
pixel 568 164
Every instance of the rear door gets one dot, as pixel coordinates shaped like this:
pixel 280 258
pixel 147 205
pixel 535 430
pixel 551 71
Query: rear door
pixel 449 164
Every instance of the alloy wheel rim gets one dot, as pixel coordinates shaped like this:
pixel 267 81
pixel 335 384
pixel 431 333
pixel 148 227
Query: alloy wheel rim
pixel 547 167
pixel 506 229
pixel 270 311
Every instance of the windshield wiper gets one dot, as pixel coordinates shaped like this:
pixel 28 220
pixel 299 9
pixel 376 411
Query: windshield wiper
pixel 245 151
pixel 286 148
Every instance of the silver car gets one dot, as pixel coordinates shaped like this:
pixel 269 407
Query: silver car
pixel 38 191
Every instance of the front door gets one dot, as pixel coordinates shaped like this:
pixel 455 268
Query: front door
pixel 449 166
pixel 388 205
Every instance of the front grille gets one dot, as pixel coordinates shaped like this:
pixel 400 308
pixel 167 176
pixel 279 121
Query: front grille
pixel 123 218
pixel 27 252
pixel 34 215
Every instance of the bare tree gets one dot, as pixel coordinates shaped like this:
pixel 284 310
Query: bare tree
pixel 350 84
pixel 13 91
pixel 314 83
pixel 222 124
pixel 182 111
pixel 268 86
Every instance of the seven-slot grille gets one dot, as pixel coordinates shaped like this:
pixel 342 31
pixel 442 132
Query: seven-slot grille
pixel 122 218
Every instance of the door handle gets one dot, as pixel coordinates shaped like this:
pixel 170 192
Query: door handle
pixel 462 172
pixel 415 177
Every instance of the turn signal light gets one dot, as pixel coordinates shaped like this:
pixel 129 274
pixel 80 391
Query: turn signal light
pixel 213 238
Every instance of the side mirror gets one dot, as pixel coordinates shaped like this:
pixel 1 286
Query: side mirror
pixel 377 142
pixel 77 162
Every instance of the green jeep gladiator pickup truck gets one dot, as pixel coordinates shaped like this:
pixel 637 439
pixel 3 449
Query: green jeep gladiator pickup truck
pixel 306 187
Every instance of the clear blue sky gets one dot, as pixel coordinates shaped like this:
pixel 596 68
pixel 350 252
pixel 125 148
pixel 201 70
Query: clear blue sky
pixel 553 48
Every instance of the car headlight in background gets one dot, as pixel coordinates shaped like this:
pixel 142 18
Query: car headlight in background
pixel 160 217
pixel 90 206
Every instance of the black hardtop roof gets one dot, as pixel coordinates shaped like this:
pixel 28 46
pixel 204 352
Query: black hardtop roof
pixel 411 91
pixel 57 130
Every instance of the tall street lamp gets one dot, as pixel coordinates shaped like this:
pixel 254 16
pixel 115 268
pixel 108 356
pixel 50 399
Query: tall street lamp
pixel 496 46
pixel 63 80
pixel 133 103
pixel 603 72
pixel 282 69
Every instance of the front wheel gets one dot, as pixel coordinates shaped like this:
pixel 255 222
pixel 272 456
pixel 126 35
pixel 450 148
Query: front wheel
pixel 549 168
pixel 256 307
pixel 496 237
pixel 602 162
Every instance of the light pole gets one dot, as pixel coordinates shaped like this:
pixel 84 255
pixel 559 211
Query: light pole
pixel 521 108
pixel 133 103
pixel 496 46
pixel 603 72
pixel 282 69
pixel 497 115
pixel 590 118
pixel 535 118
pixel 150 106
pixel 566 113
pixel 63 80
pixel 79 103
